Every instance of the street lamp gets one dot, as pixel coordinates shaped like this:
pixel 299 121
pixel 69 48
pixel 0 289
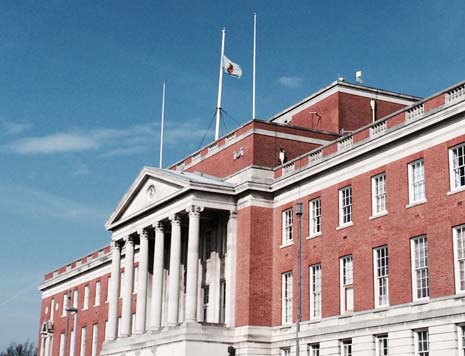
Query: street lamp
pixel 75 311
pixel 299 212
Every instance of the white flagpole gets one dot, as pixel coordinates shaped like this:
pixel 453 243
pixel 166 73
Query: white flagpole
pixel 220 86
pixel 254 62
pixel 162 124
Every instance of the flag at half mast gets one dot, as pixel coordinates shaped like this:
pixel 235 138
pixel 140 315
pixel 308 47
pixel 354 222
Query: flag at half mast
pixel 233 69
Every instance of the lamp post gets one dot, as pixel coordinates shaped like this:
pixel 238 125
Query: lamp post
pixel 299 208
pixel 75 311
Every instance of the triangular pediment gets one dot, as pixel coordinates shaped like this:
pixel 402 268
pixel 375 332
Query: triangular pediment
pixel 151 187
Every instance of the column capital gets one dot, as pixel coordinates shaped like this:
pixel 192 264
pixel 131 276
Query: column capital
pixel 143 233
pixel 116 245
pixel 175 219
pixel 158 227
pixel 233 214
pixel 194 210
pixel 129 240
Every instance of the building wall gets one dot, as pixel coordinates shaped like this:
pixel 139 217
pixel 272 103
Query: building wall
pixel 435 219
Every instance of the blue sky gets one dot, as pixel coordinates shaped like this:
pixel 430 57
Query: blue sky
pixel 80 100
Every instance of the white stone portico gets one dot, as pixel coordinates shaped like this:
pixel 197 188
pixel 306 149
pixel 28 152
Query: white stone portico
pixel 184 226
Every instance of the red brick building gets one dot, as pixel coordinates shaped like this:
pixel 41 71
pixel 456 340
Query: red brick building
pixel 204 255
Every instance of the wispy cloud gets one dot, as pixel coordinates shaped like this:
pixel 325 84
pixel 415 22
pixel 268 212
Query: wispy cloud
pixel 291 82
pixel 13 128
pixel 108 142
pixel 80 169
pixel 36 203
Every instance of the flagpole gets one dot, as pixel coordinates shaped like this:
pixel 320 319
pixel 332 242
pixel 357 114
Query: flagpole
pixel 254 62
pixel 162 124
pixel 220 86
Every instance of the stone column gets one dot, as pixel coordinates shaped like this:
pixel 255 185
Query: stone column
pixel 175 260
pixel 192 263
pixel 142 282
pixel 127 292
pixel 47 345
pixel 230 270
pixel 157 279
pixel 114 289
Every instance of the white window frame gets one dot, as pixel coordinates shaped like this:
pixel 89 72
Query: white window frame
pixel 75 298
pixel 458 235
pixel 108 289
pixel 83 341
pixel 98 293
pixel 85 305
pixel 287 226
pixel 416 182
pixel 379 195
pixel 419 336
pixel 121 284
pixel 286 297
pixel 379 345
pixel 418 266
pixel 94 340
pixel 65 304
pixel 285 351
pixel 455 168
pixel 346 277
pixel 313 349
pixel 62 344
pixel 315 291
pixel 461 337
pixel 345 206
pixel 381 275
pixel 135 280
pixel 346 347
pixel 315 220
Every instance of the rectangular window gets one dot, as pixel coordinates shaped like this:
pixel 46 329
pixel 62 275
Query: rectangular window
pixel 72 343
pixel 315 291
pixel 382 346
pixel 286 351
pixel 121 284
pixel 94 340
pixel 457 166
pixel 75 298
pixel 346 347
pixel 86 298
pixel 381 259
pixel 347 284
pixel 416 181
pixel 462 340
pixel 422 343
pixel 315 217
pixel 286 297
pixel 135 278
pixel 222 301
pixel 83 341
pixel 314 349
pixel 378 193
pixel 345 206
pixel 98 292
pixel 459 256
pixel 206 300
pixel 108 289
pixel 65 304
pixel 62 344
pixel 420 274
pixel 287 226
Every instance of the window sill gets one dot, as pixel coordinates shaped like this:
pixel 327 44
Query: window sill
pixel 340 227
pixel 415 203
pixel 379 215
pixel 96 305
pixel 84 309
pixel 420 301
pixel 381 308
pixel 313 236
pixel 456 190
pixel 286 244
